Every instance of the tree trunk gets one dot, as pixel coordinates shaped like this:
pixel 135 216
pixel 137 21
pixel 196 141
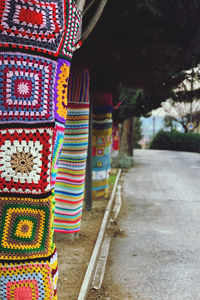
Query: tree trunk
pixel 126 139
pixel 185 128
pixel 94 19
pixel 80 4
pixel 130 138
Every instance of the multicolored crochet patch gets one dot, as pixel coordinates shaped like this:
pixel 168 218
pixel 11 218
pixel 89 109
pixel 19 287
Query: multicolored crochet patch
pixel 101 144
pixel 25 160
pixel 33 24
pixel 30 280
pixel 58 141
pixel 100 174
pixel 70 182
pixel 25 227
pixel 54 272
pixel 26 84
pixel 78 87
pixel 41 26
pixel 61 89
pixel 74 21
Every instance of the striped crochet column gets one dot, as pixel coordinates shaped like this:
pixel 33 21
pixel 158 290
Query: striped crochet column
pixel 37 40
pixel 70 181
pixel 102 140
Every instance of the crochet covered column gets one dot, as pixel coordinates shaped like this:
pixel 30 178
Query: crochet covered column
pixel 115 139
pixel 102 140
pixel 37 40
pixel 70 182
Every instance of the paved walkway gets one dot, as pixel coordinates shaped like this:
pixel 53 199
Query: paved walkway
pixel 159 257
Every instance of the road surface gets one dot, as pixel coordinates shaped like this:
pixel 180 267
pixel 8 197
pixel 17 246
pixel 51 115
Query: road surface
pixel 158 257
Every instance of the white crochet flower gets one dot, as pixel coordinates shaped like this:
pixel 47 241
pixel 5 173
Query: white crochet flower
pixel 21 161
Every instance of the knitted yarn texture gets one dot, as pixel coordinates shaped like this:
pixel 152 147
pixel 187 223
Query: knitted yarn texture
pixel 101 144
pixel 115 139
pixel 70 182
pixel 37 41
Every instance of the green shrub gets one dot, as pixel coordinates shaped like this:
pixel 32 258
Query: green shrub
pixel 122 161
pixel 176 141
pixel 112 179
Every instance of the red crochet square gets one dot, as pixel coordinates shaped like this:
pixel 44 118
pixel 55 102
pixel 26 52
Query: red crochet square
pixel 25 160
pixel 34 24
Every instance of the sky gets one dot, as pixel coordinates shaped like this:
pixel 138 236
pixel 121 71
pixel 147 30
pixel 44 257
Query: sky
pixel 147 126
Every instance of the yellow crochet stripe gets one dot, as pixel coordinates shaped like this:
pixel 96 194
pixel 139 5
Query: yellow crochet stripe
pixel 97 183
pixel 76 118
pixel 27 199
pixel 77 186
pixel 73 172
pixel 14 257
pixel 102 116
pixel 102 132
pixel 68 225
pixel 64 219
pixel 74 139
pixel 99 194
pixel 62 97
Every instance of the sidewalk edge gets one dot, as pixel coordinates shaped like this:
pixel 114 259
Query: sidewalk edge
pixel 93 260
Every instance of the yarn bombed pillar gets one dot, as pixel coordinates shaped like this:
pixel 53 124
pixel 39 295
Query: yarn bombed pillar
pixel 88 175
pixel 102 140
pixel 70 182
pixel 37 40
pixel 115 139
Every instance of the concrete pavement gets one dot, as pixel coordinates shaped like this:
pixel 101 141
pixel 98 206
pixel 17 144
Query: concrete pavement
pixel 159 256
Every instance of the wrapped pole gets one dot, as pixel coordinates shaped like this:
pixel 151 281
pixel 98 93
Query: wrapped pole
pixel 37 40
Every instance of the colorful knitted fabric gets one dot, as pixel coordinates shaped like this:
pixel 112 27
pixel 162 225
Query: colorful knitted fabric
pixel 37 40
pixel 47 27
pixel 115 139
pixel 36 279
pixel 70 182
pixel 102 140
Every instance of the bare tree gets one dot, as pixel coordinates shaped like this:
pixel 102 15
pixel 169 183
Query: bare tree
pixel 81 4
pixel 180 112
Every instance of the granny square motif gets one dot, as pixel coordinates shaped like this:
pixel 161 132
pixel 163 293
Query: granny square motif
pixel 25 227
pixel 32 24
pixel 30 280
pixel 26 84
pixel 25 160
pixel 73 25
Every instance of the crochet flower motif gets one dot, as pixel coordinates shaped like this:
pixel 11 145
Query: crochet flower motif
pixel 23 88
pixel 22 162
pixel 99 163
pixel 24 229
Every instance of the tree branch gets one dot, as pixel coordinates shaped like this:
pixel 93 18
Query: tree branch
pixel 80 4
pixel 88 7
pixel 94 19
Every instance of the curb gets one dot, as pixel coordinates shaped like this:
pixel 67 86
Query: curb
pixel 95 254
pixel 103 257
